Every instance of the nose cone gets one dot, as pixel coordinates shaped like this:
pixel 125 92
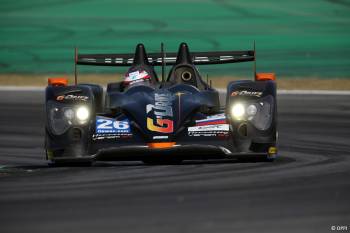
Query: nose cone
pixel 183 55
pixel 140 56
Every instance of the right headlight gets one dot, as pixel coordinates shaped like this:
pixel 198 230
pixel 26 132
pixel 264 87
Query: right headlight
pixel 259 112
pixel 251 110
pixel 264 114
pixel 238 111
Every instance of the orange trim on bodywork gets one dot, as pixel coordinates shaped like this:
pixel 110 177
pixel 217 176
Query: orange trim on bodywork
pixel 265 76
pixel 161 145
pixel 57 81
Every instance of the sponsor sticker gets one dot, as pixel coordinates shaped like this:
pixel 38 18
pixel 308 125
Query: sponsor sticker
pixel 221 127
pixel 247 93
pixel 160 114
pixel 72 97
pixel 219 130
pixel 212 120
pixel 111 136
pixel 136 75
pixel 105 125
pixel 160 137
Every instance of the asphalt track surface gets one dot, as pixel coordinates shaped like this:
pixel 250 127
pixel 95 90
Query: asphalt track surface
pixel 306 190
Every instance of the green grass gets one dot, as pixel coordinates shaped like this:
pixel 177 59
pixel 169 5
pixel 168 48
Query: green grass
pixel 294 38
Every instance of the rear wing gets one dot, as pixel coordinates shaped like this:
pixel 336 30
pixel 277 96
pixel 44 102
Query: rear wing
pixel 164 59
pixel 157 59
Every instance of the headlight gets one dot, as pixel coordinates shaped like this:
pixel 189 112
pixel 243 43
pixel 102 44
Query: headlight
pixel 260 113
pixel 263 118
pixel 69 113
pixel 57 120
pixel 251 111
pixel 238 111
pixel 62 117
pixel 82 114
pixel 265 110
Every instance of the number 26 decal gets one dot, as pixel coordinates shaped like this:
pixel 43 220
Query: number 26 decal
pixel 110 124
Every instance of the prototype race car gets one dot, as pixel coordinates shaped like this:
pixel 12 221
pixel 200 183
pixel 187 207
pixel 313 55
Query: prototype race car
pixel 169 120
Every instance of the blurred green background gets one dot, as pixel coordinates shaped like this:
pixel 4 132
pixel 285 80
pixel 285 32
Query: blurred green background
pixel 295 38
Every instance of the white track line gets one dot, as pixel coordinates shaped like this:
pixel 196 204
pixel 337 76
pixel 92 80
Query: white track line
pixel 280 92
pixel 21 88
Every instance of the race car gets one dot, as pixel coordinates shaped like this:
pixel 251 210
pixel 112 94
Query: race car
pixel 177 118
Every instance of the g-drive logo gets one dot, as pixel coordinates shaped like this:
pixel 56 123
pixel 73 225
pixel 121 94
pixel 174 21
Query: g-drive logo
pixel 160 114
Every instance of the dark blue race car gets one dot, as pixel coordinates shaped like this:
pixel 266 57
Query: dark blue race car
pixel 177 118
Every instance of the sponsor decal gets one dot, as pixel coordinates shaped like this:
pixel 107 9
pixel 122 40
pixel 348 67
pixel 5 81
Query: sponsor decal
pixel 160 137
pixel 160 114
pixel 72 97
pixel 136 76
pixel 208 134
pixel 106 125
pixel 220 130
pixel 247 93
pixel 111 136
pixel 212 120
pixel 222 127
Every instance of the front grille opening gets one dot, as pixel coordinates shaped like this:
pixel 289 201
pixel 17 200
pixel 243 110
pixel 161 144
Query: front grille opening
pixel 243 130
pixel 76 134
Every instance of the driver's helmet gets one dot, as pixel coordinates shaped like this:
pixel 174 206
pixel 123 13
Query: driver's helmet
pixel 137 77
